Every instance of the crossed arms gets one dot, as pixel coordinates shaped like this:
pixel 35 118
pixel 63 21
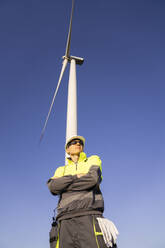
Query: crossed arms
pixel 78 182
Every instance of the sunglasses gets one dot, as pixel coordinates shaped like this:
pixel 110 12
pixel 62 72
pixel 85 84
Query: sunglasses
pixel 74 142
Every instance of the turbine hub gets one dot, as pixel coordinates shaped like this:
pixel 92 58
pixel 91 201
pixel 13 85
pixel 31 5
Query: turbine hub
pixel 79 61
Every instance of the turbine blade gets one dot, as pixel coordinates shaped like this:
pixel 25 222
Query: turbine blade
pixel 65 62
pixel 67 52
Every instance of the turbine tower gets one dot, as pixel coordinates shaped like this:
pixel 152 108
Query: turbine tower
pixel 71 124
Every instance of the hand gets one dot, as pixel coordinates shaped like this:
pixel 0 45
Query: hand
pixel 80 175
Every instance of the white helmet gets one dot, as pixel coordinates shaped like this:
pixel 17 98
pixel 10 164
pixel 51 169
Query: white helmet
pixel 73 138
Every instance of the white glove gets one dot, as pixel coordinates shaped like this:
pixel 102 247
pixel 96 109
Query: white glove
pixel 109 231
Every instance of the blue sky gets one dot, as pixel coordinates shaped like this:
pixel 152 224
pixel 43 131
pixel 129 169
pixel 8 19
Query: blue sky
pixel 120 113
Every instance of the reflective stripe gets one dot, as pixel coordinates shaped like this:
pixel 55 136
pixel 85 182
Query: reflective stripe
pixel 57 244
pixel 96 233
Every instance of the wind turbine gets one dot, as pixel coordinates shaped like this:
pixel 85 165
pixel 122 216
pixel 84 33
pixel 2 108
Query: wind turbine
pixel 71 124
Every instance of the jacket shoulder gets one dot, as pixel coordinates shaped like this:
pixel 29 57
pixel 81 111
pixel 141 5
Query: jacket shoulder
pixel 95 160
pixel 59 172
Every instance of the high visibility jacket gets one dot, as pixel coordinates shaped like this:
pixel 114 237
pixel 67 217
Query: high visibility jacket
pixel 78 196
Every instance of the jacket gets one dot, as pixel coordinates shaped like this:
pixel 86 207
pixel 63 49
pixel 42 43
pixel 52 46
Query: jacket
pixel 78 196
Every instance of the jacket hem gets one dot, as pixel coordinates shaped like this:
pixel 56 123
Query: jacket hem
pixel 77 214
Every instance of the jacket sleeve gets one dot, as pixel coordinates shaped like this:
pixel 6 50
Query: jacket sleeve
pixel 88 181
pixel 91 179
pixel 59 184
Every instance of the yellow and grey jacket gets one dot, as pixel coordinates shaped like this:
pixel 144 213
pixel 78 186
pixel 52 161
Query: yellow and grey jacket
pixel 78 196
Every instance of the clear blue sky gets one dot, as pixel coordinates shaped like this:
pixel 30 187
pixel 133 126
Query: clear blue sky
pixel 121 102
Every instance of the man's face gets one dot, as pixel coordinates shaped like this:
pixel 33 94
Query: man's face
pixel 74 147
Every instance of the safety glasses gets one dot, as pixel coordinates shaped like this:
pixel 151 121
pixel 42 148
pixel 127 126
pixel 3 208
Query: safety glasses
pixel 74 142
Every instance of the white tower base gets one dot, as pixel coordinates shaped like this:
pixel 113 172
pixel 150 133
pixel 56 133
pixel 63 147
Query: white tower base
pixel 71 125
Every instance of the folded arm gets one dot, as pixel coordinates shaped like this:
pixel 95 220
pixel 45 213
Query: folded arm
pixel 57 185
pixel 87 181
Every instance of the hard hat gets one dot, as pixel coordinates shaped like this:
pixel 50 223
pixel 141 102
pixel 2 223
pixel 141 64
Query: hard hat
pixel 73 138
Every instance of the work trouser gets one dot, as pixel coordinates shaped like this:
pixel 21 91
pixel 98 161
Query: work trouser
pixel 79 232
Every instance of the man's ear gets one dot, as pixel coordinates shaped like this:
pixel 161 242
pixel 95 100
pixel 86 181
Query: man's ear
pixel 67 151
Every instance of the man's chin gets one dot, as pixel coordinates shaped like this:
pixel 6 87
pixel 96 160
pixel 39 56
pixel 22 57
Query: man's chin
pixel 76 153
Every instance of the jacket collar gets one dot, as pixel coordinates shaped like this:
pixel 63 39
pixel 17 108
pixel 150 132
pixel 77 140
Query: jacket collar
pixel 82 158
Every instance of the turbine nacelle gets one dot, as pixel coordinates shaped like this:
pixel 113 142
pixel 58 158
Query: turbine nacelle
pixel 79 61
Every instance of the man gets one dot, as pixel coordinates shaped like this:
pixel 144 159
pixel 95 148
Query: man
pixel 80 202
